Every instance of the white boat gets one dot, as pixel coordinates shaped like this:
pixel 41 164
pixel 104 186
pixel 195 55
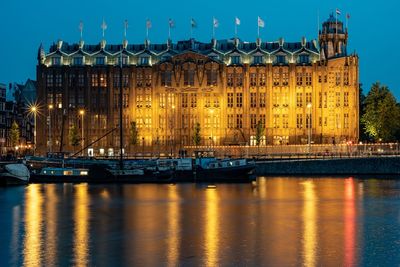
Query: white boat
pixel 14 174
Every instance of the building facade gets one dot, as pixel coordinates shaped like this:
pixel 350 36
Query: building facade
pixel 299 92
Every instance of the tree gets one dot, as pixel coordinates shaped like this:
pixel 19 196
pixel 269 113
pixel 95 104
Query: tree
pixel 73 136
pixel 259 132
pixel 381 118
pixel 196 134
pixel 361 109
pixel 133 134
pixel 14 134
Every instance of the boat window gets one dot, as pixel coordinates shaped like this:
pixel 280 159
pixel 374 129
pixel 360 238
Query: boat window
pixel 67 172
pixel 237 163
pixel 84 172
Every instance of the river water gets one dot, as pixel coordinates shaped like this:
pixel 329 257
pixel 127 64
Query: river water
pixel 275 222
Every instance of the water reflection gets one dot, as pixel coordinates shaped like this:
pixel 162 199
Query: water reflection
pixel 278 222
pixel 212 228
pixel 33 226
pixel 349 223
pixel 51 224
pixel 173 238
pixel 310 223
pixel 81 221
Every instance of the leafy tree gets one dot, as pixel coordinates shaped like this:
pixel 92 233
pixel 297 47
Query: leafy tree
pixel 14 134
pixel 73 136
pixel 196 134
pixel 381 116
pixel 361 110
pixel 259 132
pixel 133 134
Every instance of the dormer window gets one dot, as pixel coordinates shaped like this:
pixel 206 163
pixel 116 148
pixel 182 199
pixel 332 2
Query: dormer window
pixel 165 57
pixel 258 60
pixel 77 61
pixel 214 57
pixel 124 60
pixel 280 59
pixel 235 60
pixel 56 61
pixel 100 60
pixel 304 59
pixel 143 60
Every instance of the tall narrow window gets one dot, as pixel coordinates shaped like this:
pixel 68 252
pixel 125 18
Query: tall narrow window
pixel 188 77
pixel 239 100
pixel 253 100
pixel 230 100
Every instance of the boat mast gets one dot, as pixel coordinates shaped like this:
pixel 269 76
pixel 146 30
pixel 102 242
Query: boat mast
pixel 121 162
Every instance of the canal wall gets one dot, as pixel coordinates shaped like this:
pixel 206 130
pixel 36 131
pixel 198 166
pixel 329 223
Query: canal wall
pixel 344 166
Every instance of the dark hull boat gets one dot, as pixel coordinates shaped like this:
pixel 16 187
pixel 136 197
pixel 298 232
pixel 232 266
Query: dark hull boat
pixel 14 174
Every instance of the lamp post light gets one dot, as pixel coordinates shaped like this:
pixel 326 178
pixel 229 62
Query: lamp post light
pixel 212 126
pixel 82 113
pixel 309 105
pixel 34 110
pixel 50 135
pixel 172 130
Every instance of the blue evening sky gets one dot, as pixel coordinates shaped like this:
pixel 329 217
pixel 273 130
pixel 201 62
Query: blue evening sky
pixel 373 28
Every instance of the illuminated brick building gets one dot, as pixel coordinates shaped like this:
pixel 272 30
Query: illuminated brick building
pixel 295 90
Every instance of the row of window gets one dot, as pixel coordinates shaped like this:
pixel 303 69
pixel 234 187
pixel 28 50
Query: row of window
pixel 145 60
pixel 280 78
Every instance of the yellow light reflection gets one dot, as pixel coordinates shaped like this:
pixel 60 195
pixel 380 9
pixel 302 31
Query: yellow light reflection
pixel 173 226
pixel 310 224
pixel 51 224
pixel 33 226
pixel 212 228
pixel 81 219
pixel 349 222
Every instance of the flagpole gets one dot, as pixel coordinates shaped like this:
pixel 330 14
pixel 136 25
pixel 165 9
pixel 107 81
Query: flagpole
pixel 336 23
pixel 258 27
pixel 213 28
pixel 235 29
pixel 318 21
pixel 191 28
pixel 169 31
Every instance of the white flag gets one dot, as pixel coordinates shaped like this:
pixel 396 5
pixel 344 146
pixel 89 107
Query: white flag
pixel 215 23
pixel 338 11
pixel 171 23
pixel 261 23
pixel 148 24
pixel 237 21
pixel 193 23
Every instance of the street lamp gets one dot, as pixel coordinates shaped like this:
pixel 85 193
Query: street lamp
pixel 34 110
pixel 212 126
pixel 82 113
pixel 172 130
pixel 309 105
pixel 50 135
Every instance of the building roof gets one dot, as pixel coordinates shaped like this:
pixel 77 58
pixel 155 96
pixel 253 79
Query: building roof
pixel 223 47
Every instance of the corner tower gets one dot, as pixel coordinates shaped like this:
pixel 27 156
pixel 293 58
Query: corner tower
pixel 333 39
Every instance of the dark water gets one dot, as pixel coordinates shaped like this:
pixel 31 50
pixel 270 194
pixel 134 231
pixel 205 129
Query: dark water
pixel 276 222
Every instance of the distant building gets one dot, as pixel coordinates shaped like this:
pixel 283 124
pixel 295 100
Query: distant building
pixel 3 89
pixel 21 97
pixel 296 90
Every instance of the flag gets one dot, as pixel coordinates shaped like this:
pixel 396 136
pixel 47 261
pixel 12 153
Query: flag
pixel 237 21
pixel 338 11
pixel 104 25
pixel 193 23
pixel 348 16
pixel 215 23
pixel 171 23
pixel 148 24
pixel 261 22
